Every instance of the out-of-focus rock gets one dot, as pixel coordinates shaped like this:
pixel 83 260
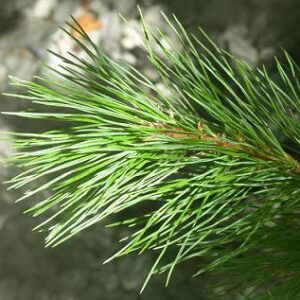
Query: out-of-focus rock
pixel 129 58
pixel 151 73
pixel 22 63
pixel 131 35
pixel 8 289
pixel 42 8
pixel 153 17
pixel 7 9
pixel 126 7
pixel 3 77
pixel 111 34
pixel 266 53
pixel 99 7
pixel 64 10
pixel 6 149
pixel 235 38
pixel 31 33
pixel 21 5
pixel 128 271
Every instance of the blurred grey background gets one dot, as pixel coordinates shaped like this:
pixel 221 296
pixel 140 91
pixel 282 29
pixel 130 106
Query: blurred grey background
pixel 252 29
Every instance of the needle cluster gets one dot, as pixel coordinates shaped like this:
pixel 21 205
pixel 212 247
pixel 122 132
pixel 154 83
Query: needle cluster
pixel 212 164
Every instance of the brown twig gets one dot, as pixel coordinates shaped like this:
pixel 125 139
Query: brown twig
pixel 219 140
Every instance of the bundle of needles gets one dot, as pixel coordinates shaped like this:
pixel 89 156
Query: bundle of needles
pixel 207 171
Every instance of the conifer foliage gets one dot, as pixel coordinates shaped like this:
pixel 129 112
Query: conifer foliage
pixel 207 172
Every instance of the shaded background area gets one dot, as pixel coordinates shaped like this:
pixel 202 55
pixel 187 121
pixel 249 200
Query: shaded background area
pixel 253 30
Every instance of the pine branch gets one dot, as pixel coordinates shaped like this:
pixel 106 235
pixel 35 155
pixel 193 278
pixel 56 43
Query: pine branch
pixel 209 162
pixel 220 141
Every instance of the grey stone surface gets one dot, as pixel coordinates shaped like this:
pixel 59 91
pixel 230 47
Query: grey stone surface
pixel 112 32
pixel 238 43
pixel 66 8
pixel 126 7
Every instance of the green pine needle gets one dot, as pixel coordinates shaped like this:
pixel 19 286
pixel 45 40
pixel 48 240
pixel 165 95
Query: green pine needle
pixel 209 162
